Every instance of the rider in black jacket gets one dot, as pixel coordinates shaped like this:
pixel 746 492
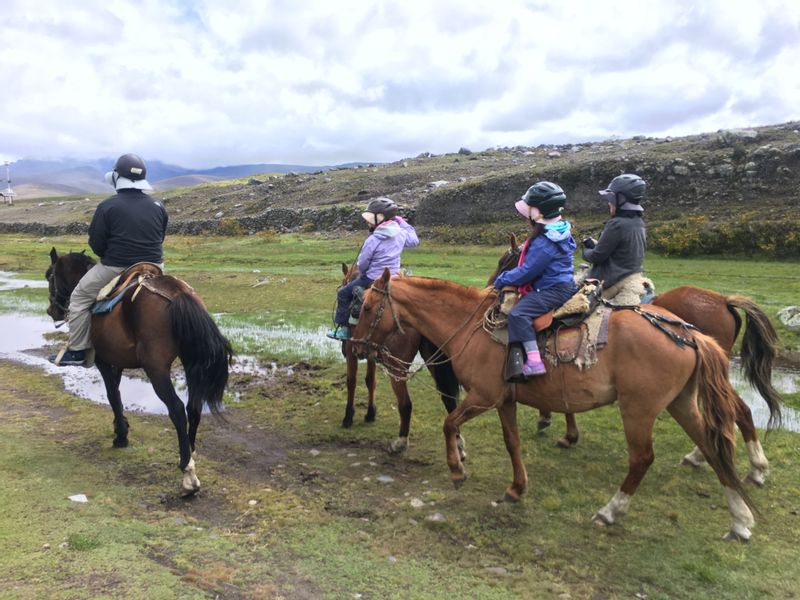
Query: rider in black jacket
pixel 126 228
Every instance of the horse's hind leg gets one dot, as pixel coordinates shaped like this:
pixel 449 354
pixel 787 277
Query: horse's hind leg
pixel 570 438
pixel 684 410
pixel 759 465
pixel 111 378
pixel 639 434
pixel 162 384
pixel 468 409
pixel 545 418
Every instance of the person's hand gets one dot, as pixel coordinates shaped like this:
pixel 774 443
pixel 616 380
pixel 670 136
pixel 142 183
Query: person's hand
pixel 589 242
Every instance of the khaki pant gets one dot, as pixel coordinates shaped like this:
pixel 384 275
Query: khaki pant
pixel 628 290
pixel 81 300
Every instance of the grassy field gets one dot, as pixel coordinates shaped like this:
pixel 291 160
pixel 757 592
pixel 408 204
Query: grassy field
pixel 294 506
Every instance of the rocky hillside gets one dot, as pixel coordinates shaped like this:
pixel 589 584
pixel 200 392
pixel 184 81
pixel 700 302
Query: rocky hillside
pixel 722 182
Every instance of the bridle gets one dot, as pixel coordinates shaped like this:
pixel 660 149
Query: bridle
pixel 58 297
pixel 402 371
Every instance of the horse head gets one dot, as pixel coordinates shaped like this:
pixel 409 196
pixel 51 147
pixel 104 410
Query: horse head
pixel 375 323
pixel 62 276
pixel 508 260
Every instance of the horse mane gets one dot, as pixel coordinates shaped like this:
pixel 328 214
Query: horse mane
pixel 81 257
pixel 433 284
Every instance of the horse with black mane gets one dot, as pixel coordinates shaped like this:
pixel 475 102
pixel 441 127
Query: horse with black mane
pixel 149 328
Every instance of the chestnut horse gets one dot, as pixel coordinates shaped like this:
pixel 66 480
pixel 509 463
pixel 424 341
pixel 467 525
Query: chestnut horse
pixel 715 315
pixel 150 333
pixel 403 348
pixel 667 376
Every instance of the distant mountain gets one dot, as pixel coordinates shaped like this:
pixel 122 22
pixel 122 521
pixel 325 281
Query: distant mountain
pixel 68 176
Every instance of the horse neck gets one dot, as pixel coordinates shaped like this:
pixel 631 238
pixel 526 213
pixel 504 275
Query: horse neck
pixel 436 308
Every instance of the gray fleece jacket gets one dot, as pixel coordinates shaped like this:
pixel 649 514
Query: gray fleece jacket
pixel 620 250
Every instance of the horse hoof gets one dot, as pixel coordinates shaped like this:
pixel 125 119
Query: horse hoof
pixel 457 483
pixel 397 446
pixel 732 536
pixel 347 423
pixel 510 497
pixel 563 443
pixel 756 479
pixel 120 443
pixel 601 520
pixel 542 425
pixel 370 416
pixel 189 492
pixel 688 462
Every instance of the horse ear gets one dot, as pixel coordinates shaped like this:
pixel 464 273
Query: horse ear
pixel 53 255
pixel 345 269
pixel 385 277
pixel 512 241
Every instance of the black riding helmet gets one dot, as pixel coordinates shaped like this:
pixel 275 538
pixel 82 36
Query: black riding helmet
pixel 631 187
pixel 548 197
pixel 380 206
pixel 131 166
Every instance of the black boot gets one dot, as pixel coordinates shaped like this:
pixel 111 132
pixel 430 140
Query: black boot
pixel 514 363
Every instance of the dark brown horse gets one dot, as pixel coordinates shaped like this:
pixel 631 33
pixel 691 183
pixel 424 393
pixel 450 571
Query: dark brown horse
pixel 717 316
pixel 403 348
pixel 668 376
pixel 150 330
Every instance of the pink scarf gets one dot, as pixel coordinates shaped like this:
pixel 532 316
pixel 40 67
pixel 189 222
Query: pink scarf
pixel 528 287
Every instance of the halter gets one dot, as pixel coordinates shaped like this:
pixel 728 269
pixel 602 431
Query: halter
pixel 57 299
pixel 403 371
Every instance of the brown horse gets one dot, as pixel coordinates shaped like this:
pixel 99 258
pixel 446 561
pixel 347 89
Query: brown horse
pixel 717 316
pixel 403 348
pixel 667 376
pixel 150 330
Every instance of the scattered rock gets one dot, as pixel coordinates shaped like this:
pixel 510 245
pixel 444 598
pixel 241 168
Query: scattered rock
pixel 496 570
pixel 464 150
pixel 416 503
pixel 435 518
pixel 385 479
pixel 314 452
pixel 790 316
pixel 252 502
pixel 554 154
pixel 79 498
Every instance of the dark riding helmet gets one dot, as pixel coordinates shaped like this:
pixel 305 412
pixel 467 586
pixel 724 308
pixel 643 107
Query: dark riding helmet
pixel 131 166
pixel 383 206
pixel 631 187
pixel 548 197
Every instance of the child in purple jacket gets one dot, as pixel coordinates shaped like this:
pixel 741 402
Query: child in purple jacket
pixel 389 235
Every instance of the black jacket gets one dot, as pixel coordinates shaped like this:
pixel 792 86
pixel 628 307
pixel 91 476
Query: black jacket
pixel 620 250
pixel 128 228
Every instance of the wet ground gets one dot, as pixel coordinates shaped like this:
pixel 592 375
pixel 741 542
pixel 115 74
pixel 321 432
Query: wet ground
pixel 22 339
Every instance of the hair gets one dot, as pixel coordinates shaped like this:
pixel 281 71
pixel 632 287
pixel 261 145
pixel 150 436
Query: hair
pixel 538 229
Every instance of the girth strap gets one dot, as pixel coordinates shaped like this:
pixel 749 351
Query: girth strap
pixel 657 321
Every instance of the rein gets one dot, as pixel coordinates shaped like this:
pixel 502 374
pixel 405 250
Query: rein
pixel 403 371
pixel 61 303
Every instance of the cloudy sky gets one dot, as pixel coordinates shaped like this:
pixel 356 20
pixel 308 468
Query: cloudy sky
pixel 203 83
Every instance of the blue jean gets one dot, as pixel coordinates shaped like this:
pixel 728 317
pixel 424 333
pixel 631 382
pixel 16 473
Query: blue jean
pixel 534 304
pixel 345 296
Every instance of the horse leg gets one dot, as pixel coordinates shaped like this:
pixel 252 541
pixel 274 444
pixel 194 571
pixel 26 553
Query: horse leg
pixel 370 381
pixel 684 410
pixel 352 372
pixel 639 434
pixel 404 407
pixel 162 384
pixel 759 465
pixel 543 423
pixel 193 414
pixel 570 438
pixel 468 409
pixel 111 378
pixel 508 419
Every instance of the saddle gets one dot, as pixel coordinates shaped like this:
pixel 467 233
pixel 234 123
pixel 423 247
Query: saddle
pixel 114 291
pixel 572 332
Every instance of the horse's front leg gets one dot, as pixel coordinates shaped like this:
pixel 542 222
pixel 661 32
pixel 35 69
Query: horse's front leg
pixel 369 380
pixel 570 438
pixel 352 373
pixel 470 407
pixel 508 419
pixel 177 414
pixel 404 407
pixel 111 378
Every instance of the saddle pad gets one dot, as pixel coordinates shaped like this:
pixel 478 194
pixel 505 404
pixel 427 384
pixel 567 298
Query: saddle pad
pixel 105 292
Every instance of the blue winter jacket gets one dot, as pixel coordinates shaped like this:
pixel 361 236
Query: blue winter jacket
pixel 548 261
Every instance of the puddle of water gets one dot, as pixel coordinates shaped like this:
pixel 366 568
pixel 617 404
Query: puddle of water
pixel 9 282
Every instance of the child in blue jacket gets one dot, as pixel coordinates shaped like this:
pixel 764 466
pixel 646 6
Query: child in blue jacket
pixel 545 272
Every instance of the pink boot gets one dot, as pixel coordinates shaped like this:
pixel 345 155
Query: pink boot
pixel 533 365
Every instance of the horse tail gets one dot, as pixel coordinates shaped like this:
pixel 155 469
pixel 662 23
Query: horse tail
pixel 718 409
pixel 205 353
pixel 443 375
pixel 759 351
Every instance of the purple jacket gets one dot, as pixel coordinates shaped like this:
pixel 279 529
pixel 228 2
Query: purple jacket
pixel 384 246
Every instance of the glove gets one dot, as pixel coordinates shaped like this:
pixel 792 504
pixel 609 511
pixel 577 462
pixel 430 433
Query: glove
pixel 589 243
